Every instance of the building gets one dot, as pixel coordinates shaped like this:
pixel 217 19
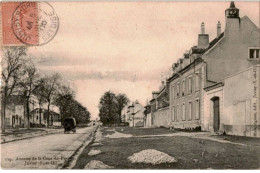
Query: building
pixel 39 117
pixel 147 116
pixel 228 108
pixel 159 107
pixel 212 85
pixel 186 91
pixel 135 115
pixel 15 112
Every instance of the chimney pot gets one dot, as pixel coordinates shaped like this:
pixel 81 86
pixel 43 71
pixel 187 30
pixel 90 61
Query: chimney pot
pixel 203 41
pixel 218 29
pixel 202 28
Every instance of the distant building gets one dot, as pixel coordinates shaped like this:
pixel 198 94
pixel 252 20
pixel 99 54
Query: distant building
pixel 147 116
pixel 39 117
pixel 135 115
pixel 159 107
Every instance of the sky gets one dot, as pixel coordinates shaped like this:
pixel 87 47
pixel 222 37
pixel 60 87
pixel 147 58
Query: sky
pixel 126 47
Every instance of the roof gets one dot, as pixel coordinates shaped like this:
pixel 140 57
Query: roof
pixel 199 51
pixel 213 42
pixel 175 75
pixel 45 111
pixel 214 86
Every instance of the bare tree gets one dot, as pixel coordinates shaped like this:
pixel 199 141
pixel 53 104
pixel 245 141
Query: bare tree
pixel 28 85
pixel 39 92
pixel 51 88
pixel 12 63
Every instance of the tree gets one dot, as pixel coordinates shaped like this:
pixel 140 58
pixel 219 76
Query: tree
pixel 121 101
pixel 29 84
pixel 108 108
pixel 64 99
pixel 39 92
pixel 12 63
pixel 50 90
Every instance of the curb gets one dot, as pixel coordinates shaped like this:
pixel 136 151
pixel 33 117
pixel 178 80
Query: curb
pixel 47 133
pixel 72 160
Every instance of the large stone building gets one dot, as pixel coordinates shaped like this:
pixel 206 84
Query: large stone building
pixel 212 85
pixel 15 112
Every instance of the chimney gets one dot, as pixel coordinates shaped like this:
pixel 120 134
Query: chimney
pixel 218 29
pixel 203 41
pixel 202 28
pixel 232 23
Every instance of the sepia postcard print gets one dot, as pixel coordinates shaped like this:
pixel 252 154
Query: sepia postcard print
pixel 130 85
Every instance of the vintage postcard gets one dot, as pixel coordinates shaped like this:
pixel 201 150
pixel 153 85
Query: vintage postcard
pixel 130 85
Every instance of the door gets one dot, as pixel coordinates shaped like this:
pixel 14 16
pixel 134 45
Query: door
pixel 13 121
pixel 216 122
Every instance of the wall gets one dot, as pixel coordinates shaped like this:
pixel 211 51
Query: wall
pixel 176 102
pixel 241 109
pixel 148 120
pixel 207 123
pixel 161 117
pixel 232 50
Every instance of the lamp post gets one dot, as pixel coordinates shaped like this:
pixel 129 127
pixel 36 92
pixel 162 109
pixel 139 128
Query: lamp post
pixel 133 114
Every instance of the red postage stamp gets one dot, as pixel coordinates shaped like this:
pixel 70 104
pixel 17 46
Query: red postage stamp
pixel 30 23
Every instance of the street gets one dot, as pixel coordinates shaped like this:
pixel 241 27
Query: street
pixel 44 152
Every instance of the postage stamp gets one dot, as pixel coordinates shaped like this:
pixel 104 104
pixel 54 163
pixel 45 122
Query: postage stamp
pixel 32 23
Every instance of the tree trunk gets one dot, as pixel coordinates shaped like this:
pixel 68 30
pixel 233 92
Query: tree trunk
pixel 48 114
pixel 28 113
pixel 3 114
pixel 119 114
pixel 40 112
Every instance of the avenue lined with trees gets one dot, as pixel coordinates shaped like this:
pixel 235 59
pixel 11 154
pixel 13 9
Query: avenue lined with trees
pixel 21 77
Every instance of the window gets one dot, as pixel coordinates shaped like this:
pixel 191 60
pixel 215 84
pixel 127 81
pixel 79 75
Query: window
pixel 173 113
pixel 177 113
pixel 178 90
pixel 183 87
pixel 173 93
pixel 190 111
pixel 197 107
pixel 254 53
pixel 197 81
pixel 183 112
pixel 190 85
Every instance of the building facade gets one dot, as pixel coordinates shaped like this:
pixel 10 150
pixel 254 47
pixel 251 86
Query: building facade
pixel 134 114
pixel 38 117
pixel 15 112
pixel 202 92
pixel 157 111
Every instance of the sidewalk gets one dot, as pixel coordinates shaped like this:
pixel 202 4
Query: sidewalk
pixel 18 134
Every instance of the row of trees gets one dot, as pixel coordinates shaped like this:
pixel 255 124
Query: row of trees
pixel 111 106
pixel 21 77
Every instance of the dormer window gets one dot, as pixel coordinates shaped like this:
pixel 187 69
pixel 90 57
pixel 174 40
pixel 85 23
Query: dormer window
pixel 254 53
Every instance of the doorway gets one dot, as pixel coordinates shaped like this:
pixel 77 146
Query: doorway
pixel 216 117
